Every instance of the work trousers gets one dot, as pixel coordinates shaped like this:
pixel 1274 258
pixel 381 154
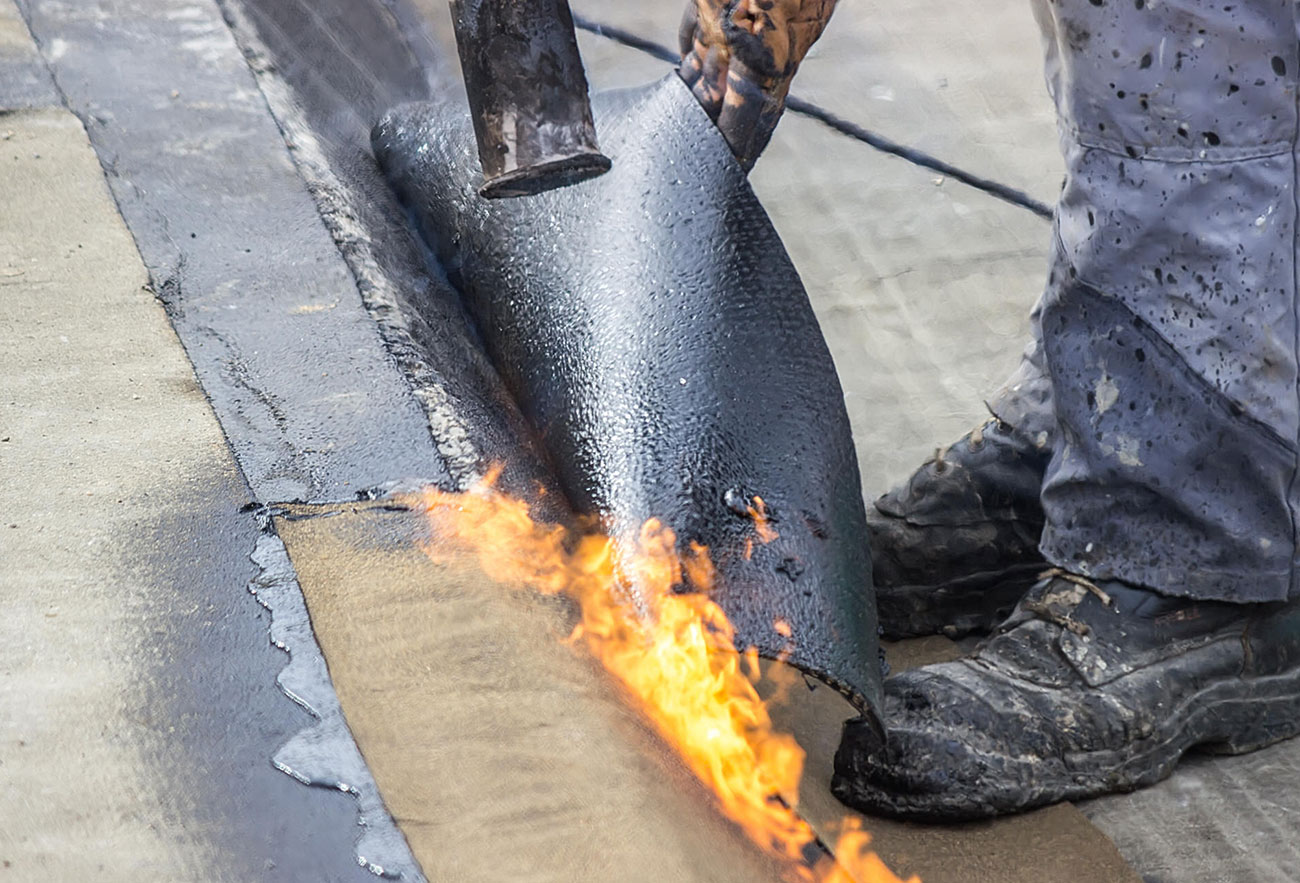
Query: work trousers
pixel 1163 368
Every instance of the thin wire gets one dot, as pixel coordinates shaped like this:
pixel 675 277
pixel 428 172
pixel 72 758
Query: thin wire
pixel 839 124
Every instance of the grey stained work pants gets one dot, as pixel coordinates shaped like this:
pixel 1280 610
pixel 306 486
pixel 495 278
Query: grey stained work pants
pixel 1163 371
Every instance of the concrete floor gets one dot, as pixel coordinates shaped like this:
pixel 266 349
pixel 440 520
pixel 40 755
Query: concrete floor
pixel 136 680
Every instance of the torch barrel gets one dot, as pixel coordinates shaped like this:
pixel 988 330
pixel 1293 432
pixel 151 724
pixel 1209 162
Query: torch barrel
pixel 527 95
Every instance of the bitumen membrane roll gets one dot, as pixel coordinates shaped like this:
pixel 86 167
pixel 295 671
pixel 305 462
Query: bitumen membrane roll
pixel 660 343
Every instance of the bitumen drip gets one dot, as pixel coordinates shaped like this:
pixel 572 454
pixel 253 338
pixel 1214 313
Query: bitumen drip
pixel 324 755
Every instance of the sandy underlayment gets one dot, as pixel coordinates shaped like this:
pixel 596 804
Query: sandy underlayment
pixel 529 765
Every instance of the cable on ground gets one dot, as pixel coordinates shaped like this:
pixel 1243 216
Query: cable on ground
pixel 797 105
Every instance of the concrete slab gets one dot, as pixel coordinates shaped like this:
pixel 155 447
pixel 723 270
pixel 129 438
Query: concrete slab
pixel 1217 820
pixel 25 81
pixel 136 674
pixel 268 310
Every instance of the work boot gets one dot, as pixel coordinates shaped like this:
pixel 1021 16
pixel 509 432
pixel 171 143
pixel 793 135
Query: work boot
pixel 1086 689
pixel 956 546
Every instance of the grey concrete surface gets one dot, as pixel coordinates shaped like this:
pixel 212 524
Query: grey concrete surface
pixel 25 81
pixel 1216 820
pixel 138 706
pixel 268 311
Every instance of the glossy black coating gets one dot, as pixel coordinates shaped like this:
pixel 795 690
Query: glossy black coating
pixel 661 344
pixel 527 95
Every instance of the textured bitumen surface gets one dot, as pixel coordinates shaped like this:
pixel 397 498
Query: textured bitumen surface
pixel 922 285
pixel 328 71
pixel 659 340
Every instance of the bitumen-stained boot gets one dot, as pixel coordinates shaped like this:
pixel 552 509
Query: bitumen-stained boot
pixel 956 546
pixel 1086 689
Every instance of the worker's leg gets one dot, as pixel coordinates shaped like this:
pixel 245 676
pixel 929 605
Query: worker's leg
pixel 1169 336
pixel 1169 325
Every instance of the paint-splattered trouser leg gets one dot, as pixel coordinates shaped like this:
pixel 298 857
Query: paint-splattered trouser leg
pixel 1166 341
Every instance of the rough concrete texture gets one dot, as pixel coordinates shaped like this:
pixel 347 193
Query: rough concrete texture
pixel 136 678
pixel 529 763
pixel 269 313
pixel 1217 820
pixel 24 80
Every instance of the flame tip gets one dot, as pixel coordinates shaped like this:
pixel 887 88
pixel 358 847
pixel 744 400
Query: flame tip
pixel 673 651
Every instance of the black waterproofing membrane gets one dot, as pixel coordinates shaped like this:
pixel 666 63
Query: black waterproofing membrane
pixel 659 340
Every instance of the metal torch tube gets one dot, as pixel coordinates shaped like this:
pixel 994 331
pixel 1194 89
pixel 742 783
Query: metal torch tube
pixel 527 95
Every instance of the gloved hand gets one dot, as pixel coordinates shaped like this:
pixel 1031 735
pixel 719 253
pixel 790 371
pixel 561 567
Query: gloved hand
pixel 739 56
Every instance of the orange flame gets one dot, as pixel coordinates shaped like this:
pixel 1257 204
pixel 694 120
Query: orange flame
pixel 674 652
pixel 762 522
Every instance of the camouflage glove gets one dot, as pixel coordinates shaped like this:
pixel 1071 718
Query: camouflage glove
pixel 739 56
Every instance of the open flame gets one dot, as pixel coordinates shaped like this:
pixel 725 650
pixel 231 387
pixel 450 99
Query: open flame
pixel 674 653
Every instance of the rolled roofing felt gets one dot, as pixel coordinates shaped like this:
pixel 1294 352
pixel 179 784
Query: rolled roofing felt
pixel 657 337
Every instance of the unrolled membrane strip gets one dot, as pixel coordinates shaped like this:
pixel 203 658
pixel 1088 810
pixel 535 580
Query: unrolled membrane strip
pixel 657 337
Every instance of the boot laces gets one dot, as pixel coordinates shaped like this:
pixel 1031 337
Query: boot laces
pixel 1058 573
pixel 1046 612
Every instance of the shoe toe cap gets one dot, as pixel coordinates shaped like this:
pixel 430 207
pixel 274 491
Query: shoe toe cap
pixel 948 755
